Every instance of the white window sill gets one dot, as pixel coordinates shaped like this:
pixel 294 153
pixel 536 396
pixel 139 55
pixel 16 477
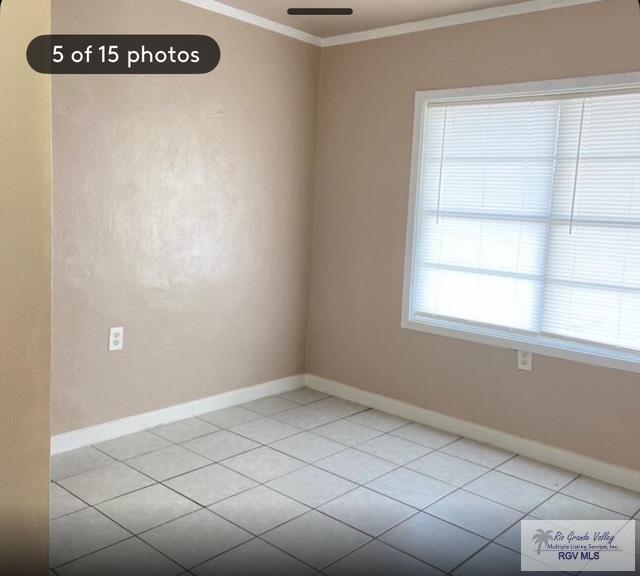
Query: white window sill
pixel 544 345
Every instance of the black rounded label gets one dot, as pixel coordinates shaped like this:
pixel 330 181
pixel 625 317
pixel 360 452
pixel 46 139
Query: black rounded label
pixel 123 54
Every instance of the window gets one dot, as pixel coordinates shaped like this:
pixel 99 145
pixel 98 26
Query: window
pixel 525 219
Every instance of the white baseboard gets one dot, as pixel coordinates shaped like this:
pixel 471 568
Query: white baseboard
pixel 559 457
pixel 566 459
pixel 116 428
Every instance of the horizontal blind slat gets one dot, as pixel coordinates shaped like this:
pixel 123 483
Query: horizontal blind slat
pixel 499 182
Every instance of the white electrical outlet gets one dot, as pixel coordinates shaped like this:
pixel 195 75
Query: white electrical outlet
pixel 525 360
pixel 116 339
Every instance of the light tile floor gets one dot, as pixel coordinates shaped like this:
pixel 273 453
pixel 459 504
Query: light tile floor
pixel 303 483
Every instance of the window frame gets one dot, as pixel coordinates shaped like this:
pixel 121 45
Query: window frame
pixel 576 350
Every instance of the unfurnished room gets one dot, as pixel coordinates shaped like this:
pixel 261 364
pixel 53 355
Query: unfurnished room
pixel 319 287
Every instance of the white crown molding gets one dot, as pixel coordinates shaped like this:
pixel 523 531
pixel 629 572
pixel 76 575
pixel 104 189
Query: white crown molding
pixel 452 20
pixel 572 461
pixel 250 18
pixel 117 428
pixel 385 32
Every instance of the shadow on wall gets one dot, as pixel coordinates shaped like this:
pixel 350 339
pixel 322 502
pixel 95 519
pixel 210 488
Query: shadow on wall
pixel 25 241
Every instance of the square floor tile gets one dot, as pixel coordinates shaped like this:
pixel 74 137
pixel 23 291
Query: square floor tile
pixel 378 420
pixel 475 513
pixel 77 462
pixel 195 538
pixel 346 432
pixel 537 472
pixel 562 507
pixel 311 486
pixel 440 544
pixel 184 430
pixel 410 487
pixel 263 464
pixel 132 445
pixel 255 558
pixel 259 510
pixel 367 511
pixel 270 405
pixel 378 559
pixel 308 447
pixel 229 417
pixel 356 466
pixel 338 408
pixel 448 468
pixel 394 449
pixel 80 533
pixel 147 508
pixel 305 417
pixel 513 492
pixel 129 558
pixel 316 539
pixel 606 495
pixel 425 435
pixel 511 537
pixel 62 502
pixel 105 483
pixel 210 484
pixel 168 462
pixel 493 560
pixel 266 430
pixel 304 395
pixel 483 454
pixel 220 445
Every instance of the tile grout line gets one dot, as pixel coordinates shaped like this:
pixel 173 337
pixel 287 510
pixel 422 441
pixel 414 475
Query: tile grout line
pixel 358 485
pixel 587 501
pixel 132 534
pixel 312 464
pixel 424 511
pixel 210 463
pixel 417 512
pixel 494 540
pixel 555 493
pixel 310 509
pixel 201 507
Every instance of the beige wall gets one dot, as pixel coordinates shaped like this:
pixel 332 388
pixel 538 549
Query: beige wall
pixel 25 292
pixel 363 164
pixel 182 211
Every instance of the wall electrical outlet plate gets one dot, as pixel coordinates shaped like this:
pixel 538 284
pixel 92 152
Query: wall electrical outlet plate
pixel 116 339
pixel 525 360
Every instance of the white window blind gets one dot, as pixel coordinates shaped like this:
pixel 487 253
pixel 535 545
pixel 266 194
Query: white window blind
pixel 528 217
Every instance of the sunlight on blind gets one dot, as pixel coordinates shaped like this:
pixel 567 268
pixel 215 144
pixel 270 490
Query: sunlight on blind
pixel 529 216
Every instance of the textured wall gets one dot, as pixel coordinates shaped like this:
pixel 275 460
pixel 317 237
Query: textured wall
pixel 183 204
pixel 182 210
pixel 363 165
pixel 25 292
